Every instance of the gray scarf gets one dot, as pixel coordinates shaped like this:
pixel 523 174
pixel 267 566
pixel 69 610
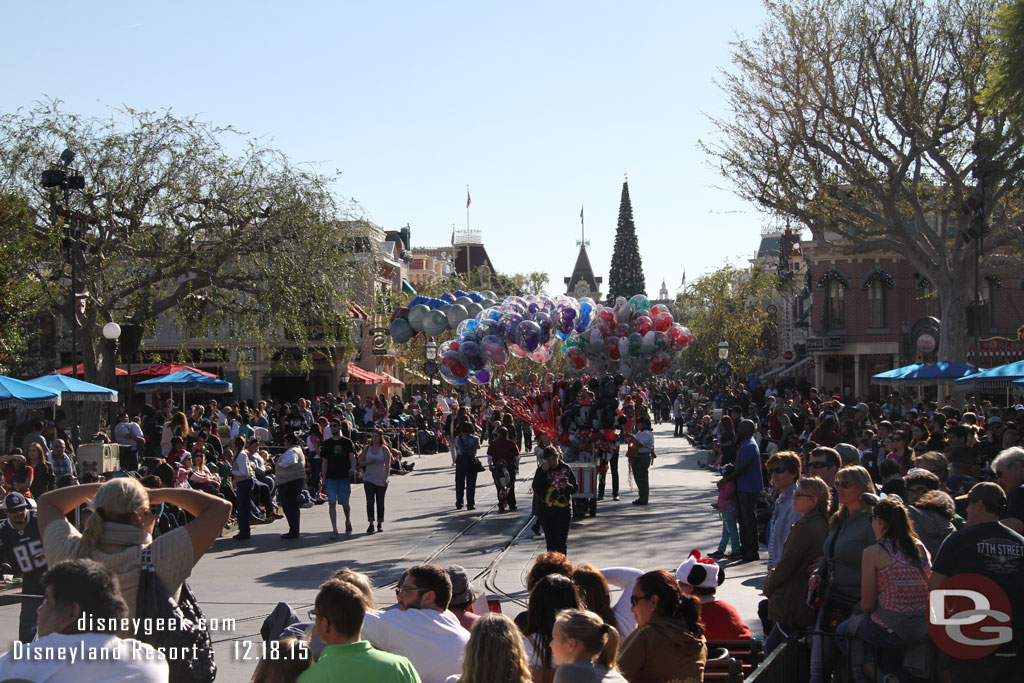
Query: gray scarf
pixel 124 534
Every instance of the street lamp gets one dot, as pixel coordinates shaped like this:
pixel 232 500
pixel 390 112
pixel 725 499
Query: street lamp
pixel 112 333
pixel 430 367
pixel 66 178
pixel 723 350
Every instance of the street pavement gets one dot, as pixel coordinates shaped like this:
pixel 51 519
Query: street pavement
pixel 243 581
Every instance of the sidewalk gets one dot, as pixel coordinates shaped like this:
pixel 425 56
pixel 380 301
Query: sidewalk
pixel 657 536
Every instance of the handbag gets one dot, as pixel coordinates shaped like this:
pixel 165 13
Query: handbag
pixel 836 610
pixel 154 602
pixel 477 465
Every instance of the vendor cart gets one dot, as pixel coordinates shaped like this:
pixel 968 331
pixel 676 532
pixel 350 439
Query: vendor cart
pixel 584 501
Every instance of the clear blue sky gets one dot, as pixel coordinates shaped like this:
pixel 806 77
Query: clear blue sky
pixel 538 106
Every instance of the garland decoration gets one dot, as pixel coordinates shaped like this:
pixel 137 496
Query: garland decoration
pixel 881 275
pixel 831 274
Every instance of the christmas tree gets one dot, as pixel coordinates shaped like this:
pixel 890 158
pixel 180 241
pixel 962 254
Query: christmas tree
pixel 626 276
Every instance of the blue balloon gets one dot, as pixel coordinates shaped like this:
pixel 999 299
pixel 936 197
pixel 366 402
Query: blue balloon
pixel 528 334
pixel 459 292
pixel 472 355
pixel 475 297
pixel 418 299
pixel 447 298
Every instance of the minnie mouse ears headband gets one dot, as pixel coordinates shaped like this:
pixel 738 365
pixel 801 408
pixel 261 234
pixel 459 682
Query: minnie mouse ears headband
pixel 702 572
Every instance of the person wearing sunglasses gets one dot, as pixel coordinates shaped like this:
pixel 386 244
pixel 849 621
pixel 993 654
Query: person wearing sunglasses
pixel 786 584
pixel 422 628
pixel 839 572
pixel 783 471
pixel 669 643
pixel 824 463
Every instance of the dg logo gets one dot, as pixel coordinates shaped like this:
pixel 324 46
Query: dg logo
pixel 969 616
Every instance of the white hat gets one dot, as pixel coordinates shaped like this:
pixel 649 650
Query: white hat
pixel 702 572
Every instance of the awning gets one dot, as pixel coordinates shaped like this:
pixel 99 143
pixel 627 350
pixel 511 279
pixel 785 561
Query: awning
pixel 408 288
pixel 792 369
pixel 772 372
pixel 392 381
pixel 361 376
pixel 419 377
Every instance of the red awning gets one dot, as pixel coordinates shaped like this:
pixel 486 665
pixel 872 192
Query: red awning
pixel 80 370
pixel 361 376
pixel 167 369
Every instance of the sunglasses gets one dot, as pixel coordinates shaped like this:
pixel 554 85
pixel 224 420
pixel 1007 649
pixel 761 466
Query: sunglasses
pixel 634 599
pixel 406 589
pixel 816 465
pixel 801 494
pixel 844 484
pixel 778 470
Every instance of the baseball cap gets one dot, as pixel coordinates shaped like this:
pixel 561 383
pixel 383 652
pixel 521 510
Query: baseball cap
pixel 1019 406
pixel 988 492
pixel 863 407
pixel 462 589
pixel 14 501
pixel 994 420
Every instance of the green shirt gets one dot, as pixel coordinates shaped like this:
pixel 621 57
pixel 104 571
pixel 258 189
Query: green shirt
pixel 358 662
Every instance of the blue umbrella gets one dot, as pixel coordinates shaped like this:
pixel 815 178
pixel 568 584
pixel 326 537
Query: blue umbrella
pixel 890 376
pixel 926 375
pixel 994 378
pixel 14 392
pixel 186 380
pixel 71 389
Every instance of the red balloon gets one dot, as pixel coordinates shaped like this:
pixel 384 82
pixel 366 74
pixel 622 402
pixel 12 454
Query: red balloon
pixel 642 324
pixel 663 321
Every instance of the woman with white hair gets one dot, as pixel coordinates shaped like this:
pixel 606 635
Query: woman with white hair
pixel 122 524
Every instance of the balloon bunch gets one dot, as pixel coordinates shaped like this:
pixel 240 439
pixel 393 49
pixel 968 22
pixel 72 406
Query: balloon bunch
pixel 629 337
pixel 632 336
pixel 435 316
pixel 524 327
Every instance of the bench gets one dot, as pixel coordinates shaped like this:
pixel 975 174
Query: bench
pixel 741 658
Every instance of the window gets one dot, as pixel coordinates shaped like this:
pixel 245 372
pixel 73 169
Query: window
pixel 834 316
pixel 985 301
pixel 930 297
pixel 876 305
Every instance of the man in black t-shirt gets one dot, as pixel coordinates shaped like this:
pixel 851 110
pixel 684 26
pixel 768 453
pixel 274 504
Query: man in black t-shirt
pixel 337 456
pixel 22 548
pixel 989 549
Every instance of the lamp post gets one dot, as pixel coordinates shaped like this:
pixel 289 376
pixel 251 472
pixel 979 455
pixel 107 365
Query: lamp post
pixel 724 369
pixel 430 367
pixel 112 333
pixel 66 178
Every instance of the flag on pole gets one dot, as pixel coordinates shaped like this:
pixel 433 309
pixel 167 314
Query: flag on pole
pixel 683 283
pixel 453 234
pixel 469 200
pixel 581 214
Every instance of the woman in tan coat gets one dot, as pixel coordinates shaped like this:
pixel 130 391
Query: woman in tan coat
pixel 668 644
pixel 786 584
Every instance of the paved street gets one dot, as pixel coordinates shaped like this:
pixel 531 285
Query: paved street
pixel 245 581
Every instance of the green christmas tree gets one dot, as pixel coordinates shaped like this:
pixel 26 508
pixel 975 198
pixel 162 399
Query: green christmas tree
pixel 626 276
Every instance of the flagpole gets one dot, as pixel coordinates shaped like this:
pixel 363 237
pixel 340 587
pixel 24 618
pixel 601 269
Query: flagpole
pixel 469 200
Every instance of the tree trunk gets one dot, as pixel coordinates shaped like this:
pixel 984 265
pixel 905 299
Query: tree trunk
pixel 953 299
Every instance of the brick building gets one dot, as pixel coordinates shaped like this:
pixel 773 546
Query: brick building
pixel 873 312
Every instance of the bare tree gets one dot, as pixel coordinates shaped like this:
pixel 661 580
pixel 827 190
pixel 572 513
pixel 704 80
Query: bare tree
pixel 860 118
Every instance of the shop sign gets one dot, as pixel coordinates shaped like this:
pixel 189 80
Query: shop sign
pixel 824 343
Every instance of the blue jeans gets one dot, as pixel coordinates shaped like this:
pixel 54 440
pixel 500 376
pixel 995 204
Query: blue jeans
pixel 747 502
pixel 887 644
pixel 730 533
pixel 288 494
pixel 243 503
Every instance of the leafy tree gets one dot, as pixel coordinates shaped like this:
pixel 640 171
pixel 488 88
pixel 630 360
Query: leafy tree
pixel 21 285
pixel 1004 90
pixel 626 275
pixel 726 305
pixel 236 246
pixel 861 119
pixel 535 282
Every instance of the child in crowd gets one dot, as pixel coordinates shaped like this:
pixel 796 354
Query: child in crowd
pixel 727 510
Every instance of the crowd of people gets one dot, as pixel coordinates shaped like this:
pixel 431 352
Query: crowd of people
pixel 860 509
pixel 441 631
